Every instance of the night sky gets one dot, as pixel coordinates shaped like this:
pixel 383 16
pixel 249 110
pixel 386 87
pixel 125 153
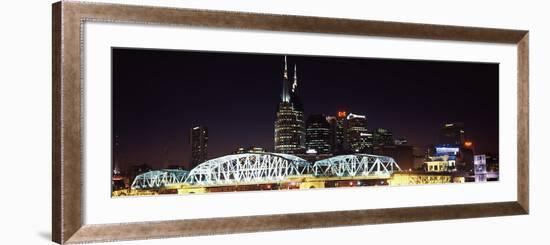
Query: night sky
pixel 158 95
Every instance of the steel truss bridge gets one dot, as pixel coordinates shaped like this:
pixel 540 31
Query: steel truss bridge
pixel 356 165
pixel 260 168
pixel 248 168
pixel 159 178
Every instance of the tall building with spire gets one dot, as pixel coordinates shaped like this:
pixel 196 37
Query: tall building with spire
pixel 290 131
pixel 285 95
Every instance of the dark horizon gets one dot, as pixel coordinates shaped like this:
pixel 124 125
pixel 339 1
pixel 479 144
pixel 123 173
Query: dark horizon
pixel 158 95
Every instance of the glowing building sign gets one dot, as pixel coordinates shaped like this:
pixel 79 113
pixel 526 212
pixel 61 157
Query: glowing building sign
pixel 342 114
pixel 352 116
pixel 446 150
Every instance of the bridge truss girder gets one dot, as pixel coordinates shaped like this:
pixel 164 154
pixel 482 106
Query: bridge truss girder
pixel 356 165
pixel 247 168
pixel 159 178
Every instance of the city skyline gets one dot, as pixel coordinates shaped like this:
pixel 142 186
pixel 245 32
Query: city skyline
pixel 158 95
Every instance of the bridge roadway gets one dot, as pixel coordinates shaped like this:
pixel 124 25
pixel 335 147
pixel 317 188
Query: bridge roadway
pixel 291 182
pixel 306 182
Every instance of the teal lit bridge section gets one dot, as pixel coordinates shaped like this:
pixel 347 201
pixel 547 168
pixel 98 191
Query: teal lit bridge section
pixel 355 165
pixel 267 168
pixel 159 179
pixel 247 168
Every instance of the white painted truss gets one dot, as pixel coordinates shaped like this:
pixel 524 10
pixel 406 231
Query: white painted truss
pixel 356 165
pixel 257 168
pixel 159 178
pixel 247 168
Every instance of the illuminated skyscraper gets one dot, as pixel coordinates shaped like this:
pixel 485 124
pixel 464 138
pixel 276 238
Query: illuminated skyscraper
pixel 358 138
pixel 318 134
pixel 290 132
pixel 199 145
pixel 338 132
pixel 382 136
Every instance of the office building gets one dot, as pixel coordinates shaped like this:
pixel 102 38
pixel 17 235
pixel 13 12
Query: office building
pixel 382 136
pixel 480 168
pixel 290 132
pixel 250 149
pixel 199 145
pixel 337 130
pixel 357 137
pixel 318 137
pixel 463 156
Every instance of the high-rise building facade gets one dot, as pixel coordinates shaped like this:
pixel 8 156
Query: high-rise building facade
pixel 358 139
pixel 382 136
pixel 199 145
pixel 337 130
pixel 290 132
pixel 318 136
pixel 452 133
pixel 250 149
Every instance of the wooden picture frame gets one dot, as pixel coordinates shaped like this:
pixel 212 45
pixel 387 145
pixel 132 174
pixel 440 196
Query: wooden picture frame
pixel 67 213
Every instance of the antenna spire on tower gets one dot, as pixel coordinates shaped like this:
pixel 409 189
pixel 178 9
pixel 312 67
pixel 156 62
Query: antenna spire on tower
pixel 285 95
pixel 295 84
pixel 286 70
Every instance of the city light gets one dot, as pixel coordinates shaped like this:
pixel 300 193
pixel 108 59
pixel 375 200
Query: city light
pixel 443 150
pixel 352 116
pixel 324 151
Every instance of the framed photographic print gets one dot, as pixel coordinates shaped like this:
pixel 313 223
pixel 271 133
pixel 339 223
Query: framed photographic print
pixel 178 122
